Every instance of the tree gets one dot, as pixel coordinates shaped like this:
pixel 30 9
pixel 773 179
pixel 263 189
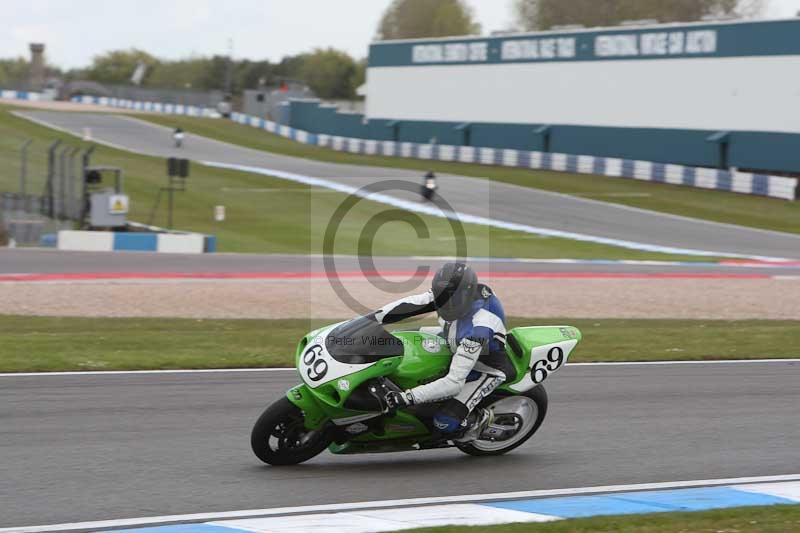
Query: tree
pixel 544 14
pixel 330 74
pixel 408 19
pixel 185 73
pixel 13 72
pixel 117 66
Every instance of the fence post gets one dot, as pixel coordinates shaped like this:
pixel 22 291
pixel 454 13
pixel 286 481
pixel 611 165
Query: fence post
pixel 72 211
pixel 23 169
pixel 62 182
pixel 51 171
pixel 85 161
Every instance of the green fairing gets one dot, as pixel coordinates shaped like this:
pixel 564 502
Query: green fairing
pixel 313 414
pixel 426 358
pixel 420 365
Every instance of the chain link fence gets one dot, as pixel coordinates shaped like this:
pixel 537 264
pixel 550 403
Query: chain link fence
pixel 41 189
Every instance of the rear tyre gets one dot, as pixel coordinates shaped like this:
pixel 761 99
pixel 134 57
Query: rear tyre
pixel 280 438
pixel 530 406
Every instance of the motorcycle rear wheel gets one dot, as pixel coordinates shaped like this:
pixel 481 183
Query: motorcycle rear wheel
pixel 280 438
pixel 535 404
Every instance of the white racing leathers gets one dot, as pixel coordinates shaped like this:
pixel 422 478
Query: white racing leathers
pixel 481 332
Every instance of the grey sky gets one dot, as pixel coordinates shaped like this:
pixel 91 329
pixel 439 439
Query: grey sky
pixel 76 30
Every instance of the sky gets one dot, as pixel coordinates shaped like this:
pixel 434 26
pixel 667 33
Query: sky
pixel 76 30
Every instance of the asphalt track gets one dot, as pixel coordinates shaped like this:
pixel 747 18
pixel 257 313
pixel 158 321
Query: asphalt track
pixel 44 261
pixel 474 196
pixel 77 448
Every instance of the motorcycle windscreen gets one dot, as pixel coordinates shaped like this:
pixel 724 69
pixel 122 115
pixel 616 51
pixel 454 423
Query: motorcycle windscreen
pixel 362 341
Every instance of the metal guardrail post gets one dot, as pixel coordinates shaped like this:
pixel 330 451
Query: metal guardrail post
pixel 23 168
pixel 51 171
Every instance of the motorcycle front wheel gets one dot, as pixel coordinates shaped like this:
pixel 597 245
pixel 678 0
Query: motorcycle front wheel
pixel 522 414
pixel 280 438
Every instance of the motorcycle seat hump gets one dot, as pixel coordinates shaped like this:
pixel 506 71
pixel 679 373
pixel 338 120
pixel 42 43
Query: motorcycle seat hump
pixel 362 341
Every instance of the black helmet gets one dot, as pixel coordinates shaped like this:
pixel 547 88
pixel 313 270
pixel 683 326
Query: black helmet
pixel 455 287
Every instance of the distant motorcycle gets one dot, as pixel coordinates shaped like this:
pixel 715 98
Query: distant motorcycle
pixel 348 368
pixel 429 186
pixel 178 137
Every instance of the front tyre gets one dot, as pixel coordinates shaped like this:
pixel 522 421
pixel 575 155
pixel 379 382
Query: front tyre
pixel 525 412
pixel 280 438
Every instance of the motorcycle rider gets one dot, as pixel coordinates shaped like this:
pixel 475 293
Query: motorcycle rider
pixel 472 321
pixel 177 135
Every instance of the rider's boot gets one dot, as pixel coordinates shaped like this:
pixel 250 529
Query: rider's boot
pixel 480 420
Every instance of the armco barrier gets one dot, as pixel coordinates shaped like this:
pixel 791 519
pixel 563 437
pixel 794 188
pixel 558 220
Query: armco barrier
pixel 107 241
pixel 20 95
pixel 701 177
pixel 152 107
pixel 706 178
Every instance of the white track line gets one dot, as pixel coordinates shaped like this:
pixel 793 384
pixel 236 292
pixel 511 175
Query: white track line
pixel 291 369
pixel 122 372
pixel 125 522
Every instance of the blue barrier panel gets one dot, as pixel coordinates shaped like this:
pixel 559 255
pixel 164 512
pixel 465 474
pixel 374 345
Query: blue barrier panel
pixel 760 184
pixel 628 168
pixel 572 163
pixel 724 180
pixel 599 166
pixel 659 172
pixel 210 246
pixel 689 176
pixel 140 242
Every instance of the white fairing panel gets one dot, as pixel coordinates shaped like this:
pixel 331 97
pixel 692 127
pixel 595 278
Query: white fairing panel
pixel 545 360
pixel 317 366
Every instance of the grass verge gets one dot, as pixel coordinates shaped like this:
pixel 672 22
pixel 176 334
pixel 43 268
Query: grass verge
pixel 732 208
pixel 41 344
pixel 270 215
pixel 765 519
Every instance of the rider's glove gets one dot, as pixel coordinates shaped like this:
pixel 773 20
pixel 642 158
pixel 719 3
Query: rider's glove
pixel 397 399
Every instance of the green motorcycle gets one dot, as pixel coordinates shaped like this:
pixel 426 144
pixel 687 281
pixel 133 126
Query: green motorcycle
pixel 348 368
